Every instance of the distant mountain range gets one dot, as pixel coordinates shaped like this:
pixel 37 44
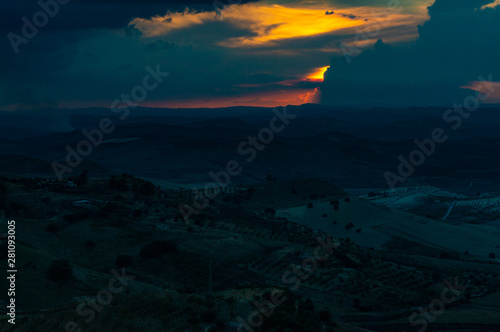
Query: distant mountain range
pixel 179 147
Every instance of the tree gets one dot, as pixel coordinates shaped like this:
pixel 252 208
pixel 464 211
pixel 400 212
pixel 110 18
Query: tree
pixel 270 178
pixel 147 188
pixel 492 255
pixel 270 212
pixel 306 305
pixel 231 301
pixel 90 244
pixel 83 179
pixel 324 315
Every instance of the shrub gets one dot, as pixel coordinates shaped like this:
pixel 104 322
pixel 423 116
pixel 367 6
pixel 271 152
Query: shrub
pixel 324 315
pixel 118 183
pixel 147 188
pixel 90 244
pixel 208 316
pixel 110 207
pixel 156 249
pixel 53 227
pixel 270 212
pixel 310 205
pixel 60 271
pixel 74 217
pixel 492 255
pixel 123 261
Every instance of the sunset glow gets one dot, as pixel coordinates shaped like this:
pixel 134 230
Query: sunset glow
pixel 318 74
pixel 270 23
pixel 267 99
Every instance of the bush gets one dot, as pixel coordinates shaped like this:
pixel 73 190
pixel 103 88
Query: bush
pixel 53 227
pixel 492 255
pixel 156 249
pixel 60 271
pixel 118 183
pixel 270 212
pixel 74 217
pixel 310 205
pixel 208 316
pixel 347 199
pixel 324 315
pixel 349 226
pixel 110 207
pixel 90 244
pixel 147 188
pixel 123 261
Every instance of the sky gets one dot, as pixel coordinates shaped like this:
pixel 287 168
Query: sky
pixel 85 53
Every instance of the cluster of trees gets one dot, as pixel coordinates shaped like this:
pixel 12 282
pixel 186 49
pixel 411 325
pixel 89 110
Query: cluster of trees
pixel 296 315
pixel 349 226
pixel 127 182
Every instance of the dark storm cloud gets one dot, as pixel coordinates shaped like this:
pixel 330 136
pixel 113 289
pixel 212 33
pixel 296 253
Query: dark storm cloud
pixel 107 14
pixel 455 46
pixel 40 71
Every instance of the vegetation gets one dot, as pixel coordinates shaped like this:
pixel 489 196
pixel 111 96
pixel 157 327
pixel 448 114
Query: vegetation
pixel 60 271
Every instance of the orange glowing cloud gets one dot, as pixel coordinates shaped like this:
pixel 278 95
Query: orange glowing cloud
pixel 268 23
pixel 318 74
pixel 162 25
pixel 492 5
pixel 490 90
pixel 274 22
